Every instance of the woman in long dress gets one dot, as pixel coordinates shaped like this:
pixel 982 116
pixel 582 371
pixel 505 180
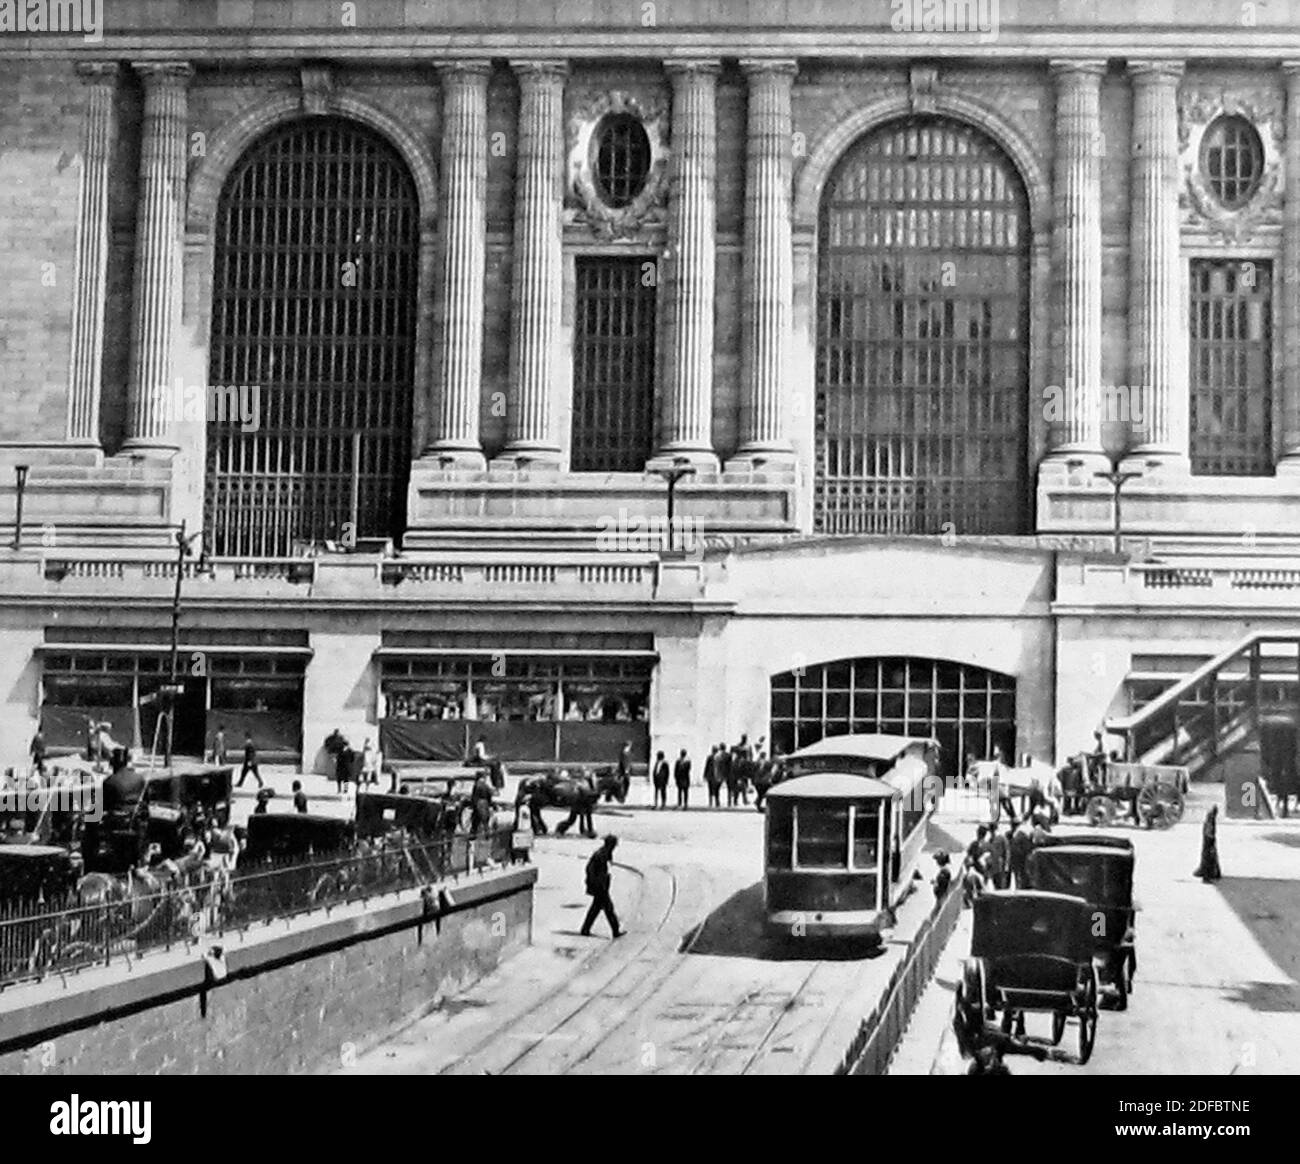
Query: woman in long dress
pixel 1208 870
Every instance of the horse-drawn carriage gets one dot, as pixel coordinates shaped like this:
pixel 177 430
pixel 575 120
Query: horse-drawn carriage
pixel 31 873
pixel 1154 795
pixel 1030 952
pixel 1099 870
pixel 562 790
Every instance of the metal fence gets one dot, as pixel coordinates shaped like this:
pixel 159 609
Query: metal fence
pixel 881 1032
pixel 63 937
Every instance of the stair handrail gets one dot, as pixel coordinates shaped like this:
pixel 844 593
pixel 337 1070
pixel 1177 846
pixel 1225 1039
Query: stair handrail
pixel 1126 725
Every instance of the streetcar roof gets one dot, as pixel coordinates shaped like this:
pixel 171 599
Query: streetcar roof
pixel 832 786
pixel 861 746
pixel 28 850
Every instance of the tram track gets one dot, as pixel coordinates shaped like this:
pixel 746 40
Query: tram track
pixel 534 1042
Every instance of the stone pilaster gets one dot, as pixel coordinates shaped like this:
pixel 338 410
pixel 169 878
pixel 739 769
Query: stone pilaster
pixel 1158 362
pixel 85 360
pixel 537 283
pixel 691 265
pixel 768 263
pixel 458 296
pixel 1289 284
pixel 1076 243
pixel 156 303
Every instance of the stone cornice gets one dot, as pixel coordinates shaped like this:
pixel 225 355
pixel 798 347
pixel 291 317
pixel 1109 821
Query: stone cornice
pixel 1266 45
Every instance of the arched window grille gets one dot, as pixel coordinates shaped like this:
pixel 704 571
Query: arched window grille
pixel 622 159
pixel 1232 158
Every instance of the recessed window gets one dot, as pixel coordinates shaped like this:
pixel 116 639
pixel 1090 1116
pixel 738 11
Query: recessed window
pixel 622 159
pixel 1232 160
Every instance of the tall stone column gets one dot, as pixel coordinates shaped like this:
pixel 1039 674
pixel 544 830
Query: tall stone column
pixel 458 296
pixel 1158 362
pixel 1076 266
pixel 537 284
pixel 156 301
pixel 768 263
pixel 85 360
pixel 691 265
pixel 1289 284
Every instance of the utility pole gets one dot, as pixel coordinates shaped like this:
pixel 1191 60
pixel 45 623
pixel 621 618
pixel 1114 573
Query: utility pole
pixel 1118 479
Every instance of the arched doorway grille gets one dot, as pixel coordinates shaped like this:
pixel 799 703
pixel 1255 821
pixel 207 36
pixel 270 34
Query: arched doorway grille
pixel 313 320
pixel 922 336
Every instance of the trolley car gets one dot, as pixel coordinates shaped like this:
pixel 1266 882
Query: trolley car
pixel 844 835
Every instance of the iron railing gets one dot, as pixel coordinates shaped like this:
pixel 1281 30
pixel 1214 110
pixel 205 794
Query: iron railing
pixel 73 934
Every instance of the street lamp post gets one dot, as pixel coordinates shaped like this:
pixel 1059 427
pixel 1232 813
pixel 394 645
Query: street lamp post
pixel 681 467
pixel 1118 479
pixel 168 705
pixel 20 491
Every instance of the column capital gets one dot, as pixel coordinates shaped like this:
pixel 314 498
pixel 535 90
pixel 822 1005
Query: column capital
pixel 163 72
pixel 693 68
pixel 466 70
pixel 538 69
pixel 92 71
pixel 1155 72
pixel 763 67
pixel 1083 69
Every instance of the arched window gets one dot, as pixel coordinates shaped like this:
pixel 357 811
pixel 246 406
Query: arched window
pixel 969 710
pixel 314 306
pixel 1232 161
pixel 622 164
pixel 922 336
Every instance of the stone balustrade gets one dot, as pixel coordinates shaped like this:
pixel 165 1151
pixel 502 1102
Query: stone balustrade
pixel 1148 584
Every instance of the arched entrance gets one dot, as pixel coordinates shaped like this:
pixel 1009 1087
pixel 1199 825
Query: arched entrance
pixel 313 306
pixel 967 709
pixel 923 336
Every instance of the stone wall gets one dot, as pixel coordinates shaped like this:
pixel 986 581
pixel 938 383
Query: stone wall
pixel 300 998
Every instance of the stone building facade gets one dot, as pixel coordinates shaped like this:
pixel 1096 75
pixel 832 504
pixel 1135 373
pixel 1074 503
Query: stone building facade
pixel 894 287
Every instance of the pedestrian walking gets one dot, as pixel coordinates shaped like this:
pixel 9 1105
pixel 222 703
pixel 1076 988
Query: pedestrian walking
pixel 250 762
pixel 682 778
pixel 712 777
pixel 1000 860
pixel 299 797
pixel 723 768
pixel 369 764
pixel 660 780
pixel 1022 845
pixel 972 884
pixel 942 879
pixel 219 745
pixel 521 840
pixel 598 886
pixel 37 750
pixel 1208 870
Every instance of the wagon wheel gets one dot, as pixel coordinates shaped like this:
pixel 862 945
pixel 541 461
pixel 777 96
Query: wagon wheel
pixel 1160 806
pixel 1101 811
pixel 1088 1018
pixel 1058 1026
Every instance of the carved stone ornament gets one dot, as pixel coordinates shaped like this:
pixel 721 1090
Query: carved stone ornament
pixel 923 86
pixel 1198 109
pixel 648 208
pixel 317 89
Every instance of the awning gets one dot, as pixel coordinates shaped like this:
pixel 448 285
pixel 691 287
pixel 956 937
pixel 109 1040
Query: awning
pixel 165 649
pixel 513 652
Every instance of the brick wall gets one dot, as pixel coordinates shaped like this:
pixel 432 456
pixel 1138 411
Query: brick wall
pixel 294 1002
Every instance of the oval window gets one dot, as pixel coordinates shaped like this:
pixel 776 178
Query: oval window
pixel 1232 161
pixel 622 159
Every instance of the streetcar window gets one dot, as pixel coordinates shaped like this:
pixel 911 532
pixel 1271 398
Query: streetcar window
pixel 822 837
pixel 780 834
pixel 866 837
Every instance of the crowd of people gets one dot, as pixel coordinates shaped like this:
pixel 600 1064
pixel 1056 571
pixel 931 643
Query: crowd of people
pixel 740 769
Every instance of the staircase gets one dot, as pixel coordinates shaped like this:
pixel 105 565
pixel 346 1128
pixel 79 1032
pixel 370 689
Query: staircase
pixel 1221 709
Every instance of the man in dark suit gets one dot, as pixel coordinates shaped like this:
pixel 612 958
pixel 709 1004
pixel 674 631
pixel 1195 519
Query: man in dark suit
pixel 250 762
pixel 660 780
pixel 682 778
pixel 713 777
pixel 598 882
